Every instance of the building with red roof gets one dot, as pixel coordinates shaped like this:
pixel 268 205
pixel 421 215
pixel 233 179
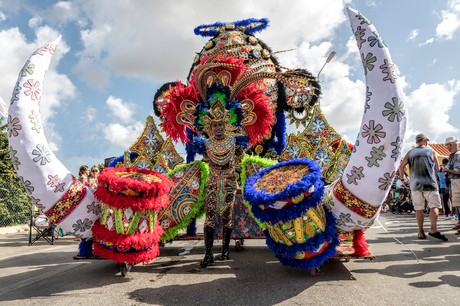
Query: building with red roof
pixel 441 149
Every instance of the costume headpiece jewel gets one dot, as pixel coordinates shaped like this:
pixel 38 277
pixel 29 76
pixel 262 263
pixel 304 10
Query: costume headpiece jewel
pixel 217 113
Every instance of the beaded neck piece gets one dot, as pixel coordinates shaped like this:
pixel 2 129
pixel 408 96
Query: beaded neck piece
pixel 220 152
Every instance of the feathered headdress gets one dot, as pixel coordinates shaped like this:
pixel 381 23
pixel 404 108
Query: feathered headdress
pixel 218 91
pixel 233 79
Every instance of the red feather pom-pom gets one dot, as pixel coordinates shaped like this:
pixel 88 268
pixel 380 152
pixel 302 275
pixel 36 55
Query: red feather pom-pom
pixel 143 240
pixel 336 144
pixel 359 243
pixel 152 195
pixel 133 258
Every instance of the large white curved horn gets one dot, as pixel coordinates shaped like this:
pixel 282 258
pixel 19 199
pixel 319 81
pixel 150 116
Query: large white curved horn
pixel 47 181
pixel 358 195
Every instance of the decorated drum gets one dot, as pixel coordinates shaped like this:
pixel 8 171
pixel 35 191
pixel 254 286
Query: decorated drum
pixel 128 230
pixel 287 198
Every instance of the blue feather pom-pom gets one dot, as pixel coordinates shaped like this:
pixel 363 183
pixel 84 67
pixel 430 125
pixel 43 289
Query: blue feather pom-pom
pixel 85 248
pixel 191 228
pixel 259 197
pixel 279 143
pixel 210 30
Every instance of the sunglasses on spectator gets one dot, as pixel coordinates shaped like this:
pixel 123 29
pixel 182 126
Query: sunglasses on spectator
pixel 94 171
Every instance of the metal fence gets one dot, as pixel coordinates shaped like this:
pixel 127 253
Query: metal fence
pixel 14 204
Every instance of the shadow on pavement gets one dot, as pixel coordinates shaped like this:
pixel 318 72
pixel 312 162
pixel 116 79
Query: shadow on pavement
pixel 452 280
pixel 250 277
pixel 47 276
pixel 435 260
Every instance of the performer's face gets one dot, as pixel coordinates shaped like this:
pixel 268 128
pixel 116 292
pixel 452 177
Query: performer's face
pixel 217 130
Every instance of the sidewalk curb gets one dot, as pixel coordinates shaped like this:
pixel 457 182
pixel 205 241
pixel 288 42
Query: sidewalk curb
pixel 14 229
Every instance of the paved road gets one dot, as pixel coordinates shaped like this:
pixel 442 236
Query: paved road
pixel 44 274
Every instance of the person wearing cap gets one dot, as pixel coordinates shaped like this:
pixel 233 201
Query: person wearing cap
pixel 423 166
pixel 454 174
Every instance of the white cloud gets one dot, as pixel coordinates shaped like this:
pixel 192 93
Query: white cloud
pixel 371 3
pixel 428 41
pixel 63 12
pixel 429 109
pixel 53 146
pixel 449 24
pixel 143 39
pixel 413 34
pixel 35 22
pixel 123 136
pixel 450 21
pixel 91 72
pixel 2 16
pixel 120 109
pixel 3 108
pixel 89 114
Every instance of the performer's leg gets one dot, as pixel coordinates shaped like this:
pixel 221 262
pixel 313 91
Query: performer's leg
pixel 209 225
pixel 227 229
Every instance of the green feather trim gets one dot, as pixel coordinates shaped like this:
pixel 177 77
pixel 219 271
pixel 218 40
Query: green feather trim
pixel 234 118
pixel 218 95
pixel 201 114
pixel 265 162
pixel 196 209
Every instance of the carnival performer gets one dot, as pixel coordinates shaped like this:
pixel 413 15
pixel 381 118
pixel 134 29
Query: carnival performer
pixel 222 153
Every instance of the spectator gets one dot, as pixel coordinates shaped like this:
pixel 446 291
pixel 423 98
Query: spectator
pixel 83 175
pixel 454 174
pixel 444 189
pixel 423 166
pixel 93 179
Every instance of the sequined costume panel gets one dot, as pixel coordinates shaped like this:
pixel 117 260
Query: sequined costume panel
pixel 222 180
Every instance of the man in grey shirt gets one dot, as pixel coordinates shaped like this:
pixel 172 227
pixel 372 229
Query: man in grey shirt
pixel 423 166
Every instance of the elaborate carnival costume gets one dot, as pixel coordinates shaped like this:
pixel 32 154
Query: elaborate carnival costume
pixel 238 75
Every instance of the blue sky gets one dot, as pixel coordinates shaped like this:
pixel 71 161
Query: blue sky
pixel 115 54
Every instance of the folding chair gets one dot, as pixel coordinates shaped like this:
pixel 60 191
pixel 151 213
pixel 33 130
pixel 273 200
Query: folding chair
pixel 43 229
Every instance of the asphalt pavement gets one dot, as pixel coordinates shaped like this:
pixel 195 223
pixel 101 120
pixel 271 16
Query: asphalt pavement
pixel 408 272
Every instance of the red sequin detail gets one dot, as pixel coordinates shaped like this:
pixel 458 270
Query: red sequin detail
pixel 67 203
pixel 352 202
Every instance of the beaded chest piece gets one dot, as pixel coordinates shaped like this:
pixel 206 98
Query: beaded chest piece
pixel 220 152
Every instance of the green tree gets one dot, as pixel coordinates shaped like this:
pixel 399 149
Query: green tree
pixel 14 202
pixel 7 172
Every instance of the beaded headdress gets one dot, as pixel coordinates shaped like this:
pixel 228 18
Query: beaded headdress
pixel 236 79
pixel 217 113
